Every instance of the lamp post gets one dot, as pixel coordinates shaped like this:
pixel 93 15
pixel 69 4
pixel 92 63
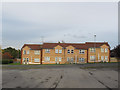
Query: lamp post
pixel 94 48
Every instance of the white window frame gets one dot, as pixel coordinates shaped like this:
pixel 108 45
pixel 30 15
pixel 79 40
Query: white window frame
pixel 72 59
pixel 72 51
pixel 27 51
pixel 68 59
pixel 92 49
pixel 24 51
pixel 81 59
pixel 47 50
pixel 24 59
pixel 36 60
pixel 37 52
pixel 47 59
pixel 81 51
pixel 102 58
pixel 60 50
pixel 68 51
pixel 92 58
pixel 106 49
pixel 60 59
pixel 56 50
pixel 102 49
pixel 106 58
pixel 56 59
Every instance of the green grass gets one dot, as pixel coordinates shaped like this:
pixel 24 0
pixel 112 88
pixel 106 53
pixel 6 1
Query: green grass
pixel 46 64
pixel 13 64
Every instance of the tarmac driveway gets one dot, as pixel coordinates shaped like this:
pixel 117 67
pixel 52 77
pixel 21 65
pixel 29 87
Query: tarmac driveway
pixel 60 76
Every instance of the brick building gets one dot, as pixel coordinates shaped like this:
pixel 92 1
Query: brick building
pixel 64 53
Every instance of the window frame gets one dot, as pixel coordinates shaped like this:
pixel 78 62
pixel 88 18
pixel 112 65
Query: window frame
pixel 102 58
pixel 72 51
pixel 106 59
pixel 47 59
pixel 81 59
pixel 92 58
pixel 81 51
pixel 69 51
pixel 28 52
pixel 37 52
pixel 56 50
pixel 102 50
pixel 24 51
pixel 36 61
pixel 60 50
pixel 68 59
pixel 47 50
pixel 60 59
pixel 106 50
pixel 56 59
pixel 92 49
pixel 27 59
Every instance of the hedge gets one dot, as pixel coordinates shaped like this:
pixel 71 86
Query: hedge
pixel 7 61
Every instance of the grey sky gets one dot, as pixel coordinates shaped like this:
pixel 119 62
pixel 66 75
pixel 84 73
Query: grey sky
pixel 71 22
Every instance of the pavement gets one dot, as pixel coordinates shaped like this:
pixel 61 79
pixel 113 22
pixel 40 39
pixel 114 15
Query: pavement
pixel 60 76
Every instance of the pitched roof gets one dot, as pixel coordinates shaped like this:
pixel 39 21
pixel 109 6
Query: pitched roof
pixel 64 45
pixel 76 45
pixel 96 44
pixel 33 46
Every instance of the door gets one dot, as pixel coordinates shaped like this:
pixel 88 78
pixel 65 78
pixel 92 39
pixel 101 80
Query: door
pixel 72 60
pixel 24 59
pixel 27 61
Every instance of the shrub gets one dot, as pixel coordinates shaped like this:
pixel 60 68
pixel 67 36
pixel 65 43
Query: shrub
pixel 7 61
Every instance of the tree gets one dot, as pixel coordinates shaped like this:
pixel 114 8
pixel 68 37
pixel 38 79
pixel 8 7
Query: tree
pixel 6 55
pixel 117 51
pixel 13 52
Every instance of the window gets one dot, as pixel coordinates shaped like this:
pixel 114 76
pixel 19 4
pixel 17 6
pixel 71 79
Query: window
pixel 106 58
pixel 60 51
pixel 24 52
pixel 24 59
pixel 56 50
pixel 56 59
pixel 27 59
pixel 60 59
pixel 68 59
pixel 81 59
pixel 37 52
pixel 68 51
pixel 28 52
pixel 72 59
pixel 102 57
pixel 47 50
pixel 47 59
pixel 36 60
pixel 92 49
pixel 106 50
pixel 102 49
pixel 82 51
pixel 92 58
pixel 72 51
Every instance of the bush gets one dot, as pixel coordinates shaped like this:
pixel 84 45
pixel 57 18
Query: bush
pixel 7 61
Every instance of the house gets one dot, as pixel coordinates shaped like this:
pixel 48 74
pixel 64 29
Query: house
pixel 31 54
pixel 64 53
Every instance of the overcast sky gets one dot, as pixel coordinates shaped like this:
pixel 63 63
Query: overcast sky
pixel 72 22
